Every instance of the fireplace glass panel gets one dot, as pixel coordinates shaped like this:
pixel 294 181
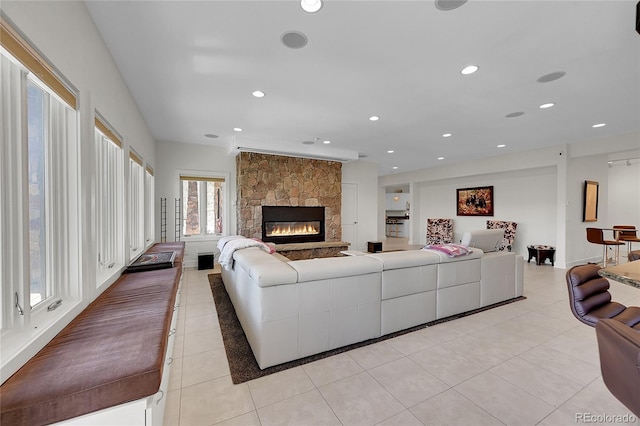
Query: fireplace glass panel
pixel 287 229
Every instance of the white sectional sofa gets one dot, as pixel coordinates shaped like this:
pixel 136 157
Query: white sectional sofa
pixel 292 309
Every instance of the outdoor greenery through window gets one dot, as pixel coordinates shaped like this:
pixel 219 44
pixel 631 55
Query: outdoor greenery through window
pixel 202 206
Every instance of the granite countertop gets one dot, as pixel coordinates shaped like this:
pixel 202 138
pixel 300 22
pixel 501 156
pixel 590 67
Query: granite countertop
pixel 627 273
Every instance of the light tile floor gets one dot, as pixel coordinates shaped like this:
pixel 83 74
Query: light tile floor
pixel 526 363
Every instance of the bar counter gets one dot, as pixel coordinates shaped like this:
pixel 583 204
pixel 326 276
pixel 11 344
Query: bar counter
pixel 627 273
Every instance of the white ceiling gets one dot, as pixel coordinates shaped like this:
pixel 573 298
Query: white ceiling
pixel 192 66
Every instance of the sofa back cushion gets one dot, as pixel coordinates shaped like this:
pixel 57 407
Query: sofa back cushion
pixel 405 259
pixel 487 240
pixel 334 267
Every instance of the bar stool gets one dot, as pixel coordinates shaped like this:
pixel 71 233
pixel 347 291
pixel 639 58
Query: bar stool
pixel 626 233
pixel 596 236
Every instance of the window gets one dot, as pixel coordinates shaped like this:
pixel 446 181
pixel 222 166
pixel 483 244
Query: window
pixel 109 178
pixel 37 107
pixel 149 213
pixel 136 205
pixel 203 205
pixel 39 156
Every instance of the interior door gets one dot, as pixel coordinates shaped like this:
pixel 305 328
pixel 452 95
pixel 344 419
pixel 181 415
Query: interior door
pixel 350 215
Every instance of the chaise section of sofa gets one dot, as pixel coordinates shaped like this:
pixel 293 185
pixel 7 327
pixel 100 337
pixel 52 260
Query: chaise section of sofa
pixel 290 310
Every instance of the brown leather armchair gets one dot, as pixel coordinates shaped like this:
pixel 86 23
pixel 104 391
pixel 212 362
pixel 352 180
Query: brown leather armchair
pixel 590 299
pixel 619 348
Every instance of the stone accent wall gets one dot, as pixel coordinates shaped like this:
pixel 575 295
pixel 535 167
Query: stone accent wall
pixel 274 180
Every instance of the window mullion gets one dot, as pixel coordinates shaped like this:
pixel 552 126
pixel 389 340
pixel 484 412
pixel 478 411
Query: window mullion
pixel 202 199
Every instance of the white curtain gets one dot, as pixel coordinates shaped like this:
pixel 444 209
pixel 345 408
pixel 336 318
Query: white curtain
pixel 149 196
pixel 136 208
pixel 61 123
pixel 108 170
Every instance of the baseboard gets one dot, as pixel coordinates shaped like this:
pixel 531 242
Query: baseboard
pixel 583 261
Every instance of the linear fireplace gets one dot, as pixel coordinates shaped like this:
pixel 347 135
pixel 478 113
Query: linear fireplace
pixel 282 225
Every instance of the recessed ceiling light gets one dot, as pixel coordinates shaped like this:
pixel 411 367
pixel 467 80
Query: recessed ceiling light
pixel 326 142
pixel 595 126
pixel 446 135
pixel 390 151
pixel 374 118
pixel 547 105
pixel 237 129
pixel 514 114
pixel 308 142
pixel 311 6
pixel 500 146
pixel 551 77
pixel 440 158
pixel 210 135
pixel 258 94
pixel 469 69
pixel 395 167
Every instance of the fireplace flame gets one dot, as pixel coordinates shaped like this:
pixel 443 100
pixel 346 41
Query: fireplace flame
pixel 286 230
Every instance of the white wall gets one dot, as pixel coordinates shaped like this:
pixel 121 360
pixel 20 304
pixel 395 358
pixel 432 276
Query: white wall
pixel 624 191
pixel 173 158
pixel 526 197
pixel 65 33
pixel 593 168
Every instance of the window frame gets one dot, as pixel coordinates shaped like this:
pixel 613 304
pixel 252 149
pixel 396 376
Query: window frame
pixel 23 334
pixel 200 176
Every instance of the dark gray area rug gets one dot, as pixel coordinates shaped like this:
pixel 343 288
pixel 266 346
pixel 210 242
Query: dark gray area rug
pixel 243 364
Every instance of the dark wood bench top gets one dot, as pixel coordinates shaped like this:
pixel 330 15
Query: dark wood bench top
pixel 111 353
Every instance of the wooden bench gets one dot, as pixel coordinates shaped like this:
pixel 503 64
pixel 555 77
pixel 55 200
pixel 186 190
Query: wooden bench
pixel 114 352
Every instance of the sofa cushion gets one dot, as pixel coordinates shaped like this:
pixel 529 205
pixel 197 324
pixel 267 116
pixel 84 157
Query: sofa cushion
pixel 110 354
pixel 334 267
pixel 486 240
pixel 405 259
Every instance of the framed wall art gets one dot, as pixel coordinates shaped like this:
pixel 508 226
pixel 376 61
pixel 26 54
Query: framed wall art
pixel 475 201
pixel 590 206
